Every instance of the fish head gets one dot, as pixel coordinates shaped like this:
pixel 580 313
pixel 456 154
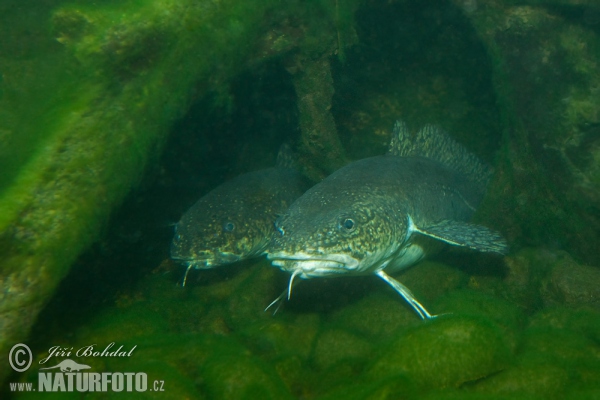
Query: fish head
pixel 214 233
pixel 336 232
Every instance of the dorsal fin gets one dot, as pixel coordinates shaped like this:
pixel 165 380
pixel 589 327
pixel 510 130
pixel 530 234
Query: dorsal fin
pixel 285 157
pixel 432 142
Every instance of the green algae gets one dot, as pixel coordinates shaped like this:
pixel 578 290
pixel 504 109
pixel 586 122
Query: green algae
pixel 380 315
pixel 445 352
pixel 242 378
pixel 335 346
pixel 530 378
pixel 466 353
pixel 557 357
pixel 275 338
pixel 572 284
pixel 582 320
pixel 509 318
pixel 542 62
pixel 377 317
pixel 126 324
pixel 433 279
pixel 395 387
pixel 525 272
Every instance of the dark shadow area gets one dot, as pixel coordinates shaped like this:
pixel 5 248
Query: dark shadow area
pixel 422 62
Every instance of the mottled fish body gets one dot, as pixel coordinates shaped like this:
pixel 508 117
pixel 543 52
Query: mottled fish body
pixel 235 220
pixel 382 214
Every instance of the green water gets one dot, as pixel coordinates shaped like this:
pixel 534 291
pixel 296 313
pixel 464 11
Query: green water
pixel 515 84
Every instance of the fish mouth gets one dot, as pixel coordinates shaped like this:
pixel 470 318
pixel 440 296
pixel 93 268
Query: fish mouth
pixel 207 260
pixel 306 265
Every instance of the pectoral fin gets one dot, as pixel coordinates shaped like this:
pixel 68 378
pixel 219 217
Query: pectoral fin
pixel 463 234
pixel 406 294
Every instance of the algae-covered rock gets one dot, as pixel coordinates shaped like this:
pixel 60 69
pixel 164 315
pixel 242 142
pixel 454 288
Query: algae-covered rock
pixel 546 61
pixel 557 354
pixel 541 380
pixel 551 362
pixel 295 373
pixel 524 274
pixel 573 284
pixel 569 338
pixel 241 378
pixel 335 345
pixel 125 324
pixel 172 382
pixel 464 395
pixel 390 388
pixel 174 359
pixel 445 352
pixel 509 318
pixel 562 347
pixel 432 279
pixel 281 336
pixel 376 316
pixel 248 302
pixel 320 142
pixel 582 320
pixel 380 314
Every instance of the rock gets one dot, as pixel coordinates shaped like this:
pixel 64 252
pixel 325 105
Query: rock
pixel 390 388
pixel 541 380
pixel 123 324
pixel 379 315
pixel 444 352
pixel 509 318
pixel 432 279
pixel 583 320
pixel 319 139
pixel 227 377
pixel 247 303
pixel 336 346
pixel 567 338
pixel 282 336
pixel 553 361
pixel 573 284
pixel 558 358
pixel 524 274
pixel 545 68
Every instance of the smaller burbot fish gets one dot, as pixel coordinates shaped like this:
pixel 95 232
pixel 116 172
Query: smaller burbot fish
pixel 235 220
pixel 382 214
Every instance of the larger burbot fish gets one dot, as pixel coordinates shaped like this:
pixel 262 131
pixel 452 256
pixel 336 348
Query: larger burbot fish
pixel 382 214
pixel 235 220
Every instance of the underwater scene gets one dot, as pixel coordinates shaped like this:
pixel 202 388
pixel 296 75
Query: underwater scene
pixel 326 199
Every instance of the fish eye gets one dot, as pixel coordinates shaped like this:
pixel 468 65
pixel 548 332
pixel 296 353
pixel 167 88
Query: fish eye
pixel 347 224
pixel 228 226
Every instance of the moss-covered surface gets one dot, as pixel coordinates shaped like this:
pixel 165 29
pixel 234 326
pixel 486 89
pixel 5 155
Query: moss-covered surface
pixel 517 84
pixel 545 60
pixel 481 345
